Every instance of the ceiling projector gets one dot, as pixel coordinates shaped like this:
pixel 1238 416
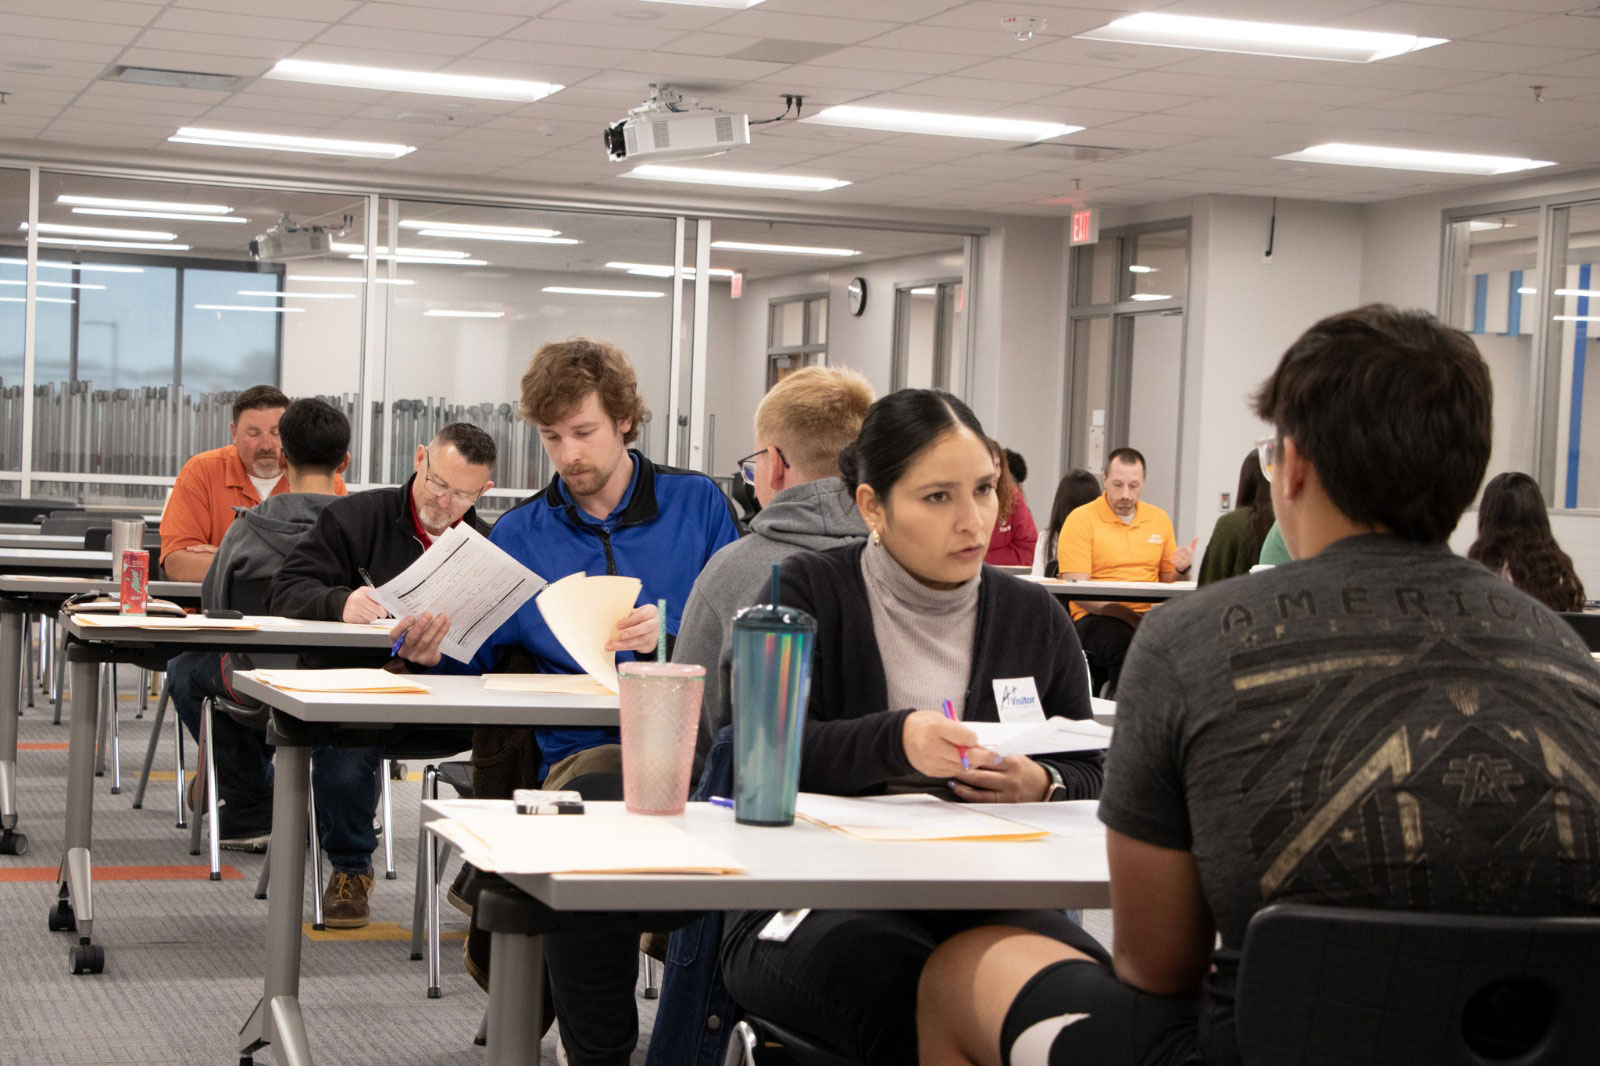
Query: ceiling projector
pixel 288 241
pixel 664 127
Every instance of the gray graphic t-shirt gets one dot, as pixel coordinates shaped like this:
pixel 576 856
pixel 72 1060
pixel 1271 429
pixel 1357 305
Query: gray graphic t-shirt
pixel 1385 725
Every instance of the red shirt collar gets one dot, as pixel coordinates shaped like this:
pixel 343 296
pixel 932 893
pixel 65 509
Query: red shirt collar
pixel 416 522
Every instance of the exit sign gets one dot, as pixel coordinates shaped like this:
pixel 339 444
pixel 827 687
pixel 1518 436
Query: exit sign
pixel 1085 226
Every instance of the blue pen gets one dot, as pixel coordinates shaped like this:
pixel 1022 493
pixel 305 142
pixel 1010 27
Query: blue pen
pixel 397 645
pixel 721 801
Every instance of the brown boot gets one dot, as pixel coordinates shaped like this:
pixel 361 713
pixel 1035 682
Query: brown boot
pixel 344 904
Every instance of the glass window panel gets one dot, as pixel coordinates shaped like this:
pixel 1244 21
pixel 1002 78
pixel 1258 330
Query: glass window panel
pixel 1572 353
pixel 1157 266
pixel 1091 391
pixel 1494 296
pixel 127 329
pixel 13 212
pixel 789 324
pixel 229 349
pixel 1094 268
pixel 817 321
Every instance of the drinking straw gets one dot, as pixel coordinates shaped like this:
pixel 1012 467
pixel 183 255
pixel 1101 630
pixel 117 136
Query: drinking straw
pixel 661 631
pixel 776 570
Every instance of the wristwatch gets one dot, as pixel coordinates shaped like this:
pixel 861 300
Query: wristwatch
pixel 1057 789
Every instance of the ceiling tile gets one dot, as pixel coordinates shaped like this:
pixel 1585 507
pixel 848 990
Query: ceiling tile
pixel 948 39
pixel 1489 56
pixel 1160 81
pixel 208 51
pixel 894 59
pixel 968 89
pixel 434 45
pixel 112 11
pixel 31 26
pixel 1029 72
pixel 313 10
pixel 230 24
pixel 433 19
pixel 761 22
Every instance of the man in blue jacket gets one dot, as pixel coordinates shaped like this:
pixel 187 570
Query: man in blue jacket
pixel 609 510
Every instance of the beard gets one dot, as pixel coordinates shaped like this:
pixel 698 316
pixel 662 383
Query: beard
pixel 586 480
pixel 266 464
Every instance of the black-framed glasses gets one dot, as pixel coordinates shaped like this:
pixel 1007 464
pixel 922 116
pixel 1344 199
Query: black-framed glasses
pixel 438 489
pixel 747 465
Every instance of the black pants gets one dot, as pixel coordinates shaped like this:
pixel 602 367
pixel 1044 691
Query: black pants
pixel 848 979
pixel 1105 644
pixel 592 978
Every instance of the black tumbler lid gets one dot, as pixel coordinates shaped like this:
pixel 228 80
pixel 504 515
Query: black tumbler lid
pixel 767 616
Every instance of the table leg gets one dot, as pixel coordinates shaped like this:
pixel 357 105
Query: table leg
pixel 276 1019
pixel 75 908
pixel 516 997
pixel 11 624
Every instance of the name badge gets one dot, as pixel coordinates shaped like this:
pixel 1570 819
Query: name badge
pixel 1017 699
pixel 1154 538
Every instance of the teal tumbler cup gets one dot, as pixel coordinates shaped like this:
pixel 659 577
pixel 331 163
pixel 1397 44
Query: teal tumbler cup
pixel 772 648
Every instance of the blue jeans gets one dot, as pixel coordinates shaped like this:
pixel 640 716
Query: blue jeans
pixel 343 780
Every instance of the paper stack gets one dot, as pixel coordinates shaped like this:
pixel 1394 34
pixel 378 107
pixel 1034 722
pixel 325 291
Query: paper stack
pixel 588 844
pixel 351 680
pixel 1040 738
pixel 910 817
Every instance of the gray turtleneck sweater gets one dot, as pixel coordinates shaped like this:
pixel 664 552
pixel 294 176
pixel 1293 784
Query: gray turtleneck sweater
pixel 924 634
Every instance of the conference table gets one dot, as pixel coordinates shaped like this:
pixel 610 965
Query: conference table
pixel 54 560
pixel 58 541
pixel 803 865
pixel 88 646
pixel 1115 591
pixel 22 595
pixel 451 701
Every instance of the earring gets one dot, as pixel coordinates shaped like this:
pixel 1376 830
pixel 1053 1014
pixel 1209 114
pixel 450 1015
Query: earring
pixel 876 539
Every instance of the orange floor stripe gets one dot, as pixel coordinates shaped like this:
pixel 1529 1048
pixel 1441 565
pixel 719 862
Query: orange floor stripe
pixel 42 745
pixel 124 873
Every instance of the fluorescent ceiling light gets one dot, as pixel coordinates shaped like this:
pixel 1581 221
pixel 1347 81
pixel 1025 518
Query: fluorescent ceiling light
pixel 37 299
pixel 402 257
pixel 661 270
pixel 1259 38
pixel 383 251
pixel 602 292
pixel 466 235
pixel 143 205
pixel 1146 296
pixel 353 279
pixel 76 266
pixel 247 307
pixel 736 5
pixel 283 142
pixel 53 284
pixel 176 216
pixel 1137 269
pixel 445 313
pixel 103 231
pixel 299 295
pixel 479 227
pixel 1481 225
pixel 411 81
pixel 781 249
pixel 891 120
pixel 744 179
pixel 1558 318
pixel 1369 155
pixel 84 242
pixel 1576 292
pixel 1526 291
pixel 925 290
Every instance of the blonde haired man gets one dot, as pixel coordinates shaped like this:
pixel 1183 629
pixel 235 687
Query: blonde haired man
pixel 801 426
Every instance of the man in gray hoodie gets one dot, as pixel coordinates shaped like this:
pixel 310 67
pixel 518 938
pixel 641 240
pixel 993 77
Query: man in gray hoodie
pixel 315 441
pixel 801 426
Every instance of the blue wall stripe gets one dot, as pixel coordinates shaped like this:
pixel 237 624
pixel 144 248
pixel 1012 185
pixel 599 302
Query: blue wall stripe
pixel 1514 306
pixel 1480 301
pixel 1580 344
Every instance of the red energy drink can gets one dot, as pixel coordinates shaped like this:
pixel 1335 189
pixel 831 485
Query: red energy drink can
pixel 135 581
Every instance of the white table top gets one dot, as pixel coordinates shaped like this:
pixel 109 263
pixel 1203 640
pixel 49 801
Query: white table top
pixel 24 560
pixel 804 865
pixel 19 527
pixel 452 700
pixel 62 541
pixel 65 585
pixel 288 636
pixel 1127 591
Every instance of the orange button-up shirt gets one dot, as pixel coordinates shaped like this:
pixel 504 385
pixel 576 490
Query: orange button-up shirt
pixel 1096 542
pixel 208 488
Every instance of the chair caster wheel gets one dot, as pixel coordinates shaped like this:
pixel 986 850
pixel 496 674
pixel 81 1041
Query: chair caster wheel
pixel 652 993
pixel 12 843
pixel 88 958
pixel 62 919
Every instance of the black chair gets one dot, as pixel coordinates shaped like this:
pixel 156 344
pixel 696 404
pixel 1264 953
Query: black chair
pixel 33 511
pixel 1587 626
pixel 96 538
pixel 1328 986
pixel 751 1032
pixel 77 523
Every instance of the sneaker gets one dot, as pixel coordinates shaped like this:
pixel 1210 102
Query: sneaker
pixel 254 842
pixel 344 904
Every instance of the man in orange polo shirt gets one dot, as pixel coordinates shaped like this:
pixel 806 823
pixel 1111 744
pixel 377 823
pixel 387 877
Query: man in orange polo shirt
pixel 212 484
pixel 1116 537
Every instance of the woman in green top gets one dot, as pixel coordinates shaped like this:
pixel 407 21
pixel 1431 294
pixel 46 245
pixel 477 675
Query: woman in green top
pixel 1235 544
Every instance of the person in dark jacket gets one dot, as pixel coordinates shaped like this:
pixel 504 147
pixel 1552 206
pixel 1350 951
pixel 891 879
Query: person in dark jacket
pixel 904 622
pixel 375 534
pixel 314 443
pixel 1236 539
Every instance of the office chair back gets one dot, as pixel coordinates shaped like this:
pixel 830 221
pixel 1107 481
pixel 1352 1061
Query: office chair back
pixel 34 510
pixel 1344 987
pixel 1587 626
pixel 68 523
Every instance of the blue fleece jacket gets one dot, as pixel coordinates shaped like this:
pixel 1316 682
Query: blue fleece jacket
pixel 669 524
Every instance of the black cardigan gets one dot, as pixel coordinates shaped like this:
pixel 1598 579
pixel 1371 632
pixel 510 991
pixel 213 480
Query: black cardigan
pixel 852 738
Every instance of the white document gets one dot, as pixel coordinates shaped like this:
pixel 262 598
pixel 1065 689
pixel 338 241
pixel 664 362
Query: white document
pixel 587 843
pixel 354 679
pixel 583 611
pixel 1074 818
pixel 1017 700
pixel 908 817
pixel 467 578
pixel 1051 735
pixel 561 684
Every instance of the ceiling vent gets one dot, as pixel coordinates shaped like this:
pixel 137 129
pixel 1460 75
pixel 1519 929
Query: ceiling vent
pixel 173 79
pixel 1074 153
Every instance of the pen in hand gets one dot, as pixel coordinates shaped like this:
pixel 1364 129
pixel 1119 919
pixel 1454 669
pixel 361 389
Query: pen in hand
pixel 394 651
pixel 950 713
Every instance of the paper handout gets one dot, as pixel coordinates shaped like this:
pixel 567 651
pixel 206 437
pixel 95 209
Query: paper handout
pixel 909 817
pixel 350 680
pixel 197 622
pixel 1073 818
pixel 629 843
pixel 1051 735
pixel 467 578
pixel 558 684
pixel 582 611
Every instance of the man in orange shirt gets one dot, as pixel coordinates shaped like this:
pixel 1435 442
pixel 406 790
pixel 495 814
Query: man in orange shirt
pixel 1116 537
pixel 212 484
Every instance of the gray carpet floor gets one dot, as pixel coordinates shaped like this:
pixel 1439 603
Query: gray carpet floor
pixel 184 957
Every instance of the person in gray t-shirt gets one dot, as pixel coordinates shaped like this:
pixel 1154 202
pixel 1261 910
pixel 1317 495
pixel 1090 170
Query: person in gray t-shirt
pixel 1381 724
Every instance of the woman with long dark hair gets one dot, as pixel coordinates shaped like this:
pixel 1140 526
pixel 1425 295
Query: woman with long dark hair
pixel 1235 544
pixel 1015 534
pixel 1515 541
pixel 1076 488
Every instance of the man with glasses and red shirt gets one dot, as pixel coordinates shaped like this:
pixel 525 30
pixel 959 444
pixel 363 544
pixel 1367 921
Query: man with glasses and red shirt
pixel 374 536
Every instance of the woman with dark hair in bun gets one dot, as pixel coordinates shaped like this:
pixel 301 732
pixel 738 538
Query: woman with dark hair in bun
pixel 905 621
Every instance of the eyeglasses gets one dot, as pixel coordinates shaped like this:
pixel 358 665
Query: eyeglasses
pixel 1267 452
pixel 747 465
pixel 438 489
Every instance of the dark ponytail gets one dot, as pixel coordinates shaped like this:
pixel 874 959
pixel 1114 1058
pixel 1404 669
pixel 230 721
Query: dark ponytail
pixel 897 429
